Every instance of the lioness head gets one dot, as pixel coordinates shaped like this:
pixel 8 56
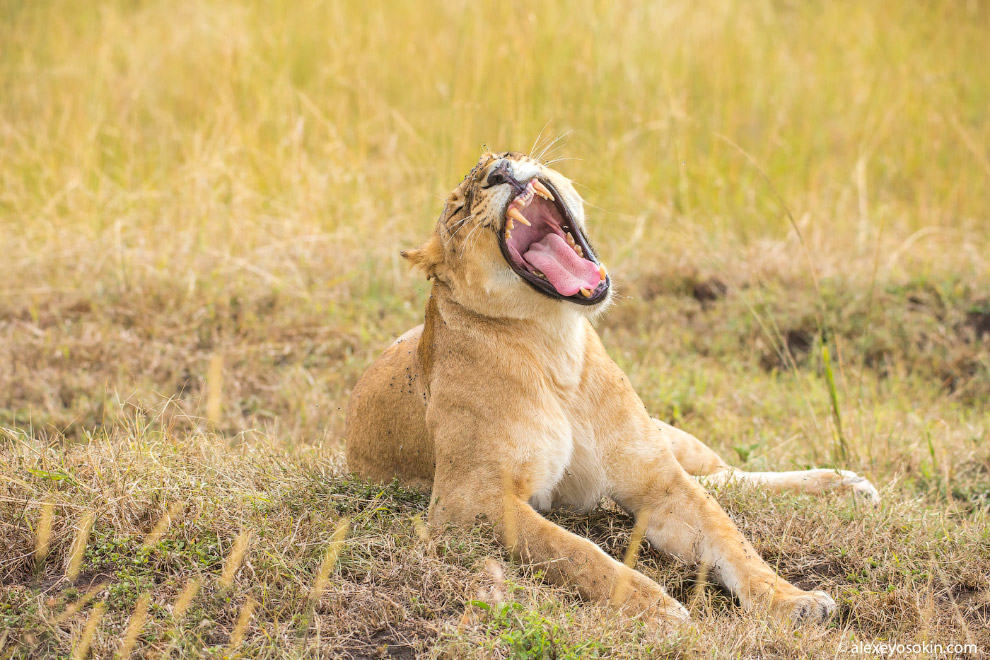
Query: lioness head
pixel 511 240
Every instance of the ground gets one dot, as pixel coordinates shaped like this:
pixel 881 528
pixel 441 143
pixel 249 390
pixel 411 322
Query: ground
pixel 201 210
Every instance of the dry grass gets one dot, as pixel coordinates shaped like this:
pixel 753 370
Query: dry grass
pixel 201 208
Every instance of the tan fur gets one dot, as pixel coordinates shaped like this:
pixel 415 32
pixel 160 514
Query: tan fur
pixel 504 403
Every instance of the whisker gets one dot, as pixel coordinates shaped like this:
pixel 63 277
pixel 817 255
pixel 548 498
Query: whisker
pixel 553 152
pixel 467 240
pixel 539 136
pixel 543 151
pixel 459 223
pixel 598 208
pixel 475 239
pixel 555 141
pixel 557 160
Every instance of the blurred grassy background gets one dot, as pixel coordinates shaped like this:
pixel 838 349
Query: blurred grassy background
pixel 184 180
pixel 222 124
pixel 201 210
pixel 186 183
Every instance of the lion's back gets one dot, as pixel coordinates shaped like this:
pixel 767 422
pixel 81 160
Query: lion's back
pixel 386 419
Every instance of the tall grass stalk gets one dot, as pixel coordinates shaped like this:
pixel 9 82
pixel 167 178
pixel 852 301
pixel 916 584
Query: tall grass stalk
pixel 81 649
pixel 841 449
pixel 234 559
pixel 78 550
pixel 138 617
pixel 43 535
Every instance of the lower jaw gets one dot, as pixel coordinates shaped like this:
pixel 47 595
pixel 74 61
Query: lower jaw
pixel 598 295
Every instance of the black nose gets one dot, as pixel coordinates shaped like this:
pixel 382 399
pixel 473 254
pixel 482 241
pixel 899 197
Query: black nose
pixel 497 178
pixel 502 174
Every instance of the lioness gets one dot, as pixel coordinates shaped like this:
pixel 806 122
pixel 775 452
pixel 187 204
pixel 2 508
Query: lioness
pixel 505 403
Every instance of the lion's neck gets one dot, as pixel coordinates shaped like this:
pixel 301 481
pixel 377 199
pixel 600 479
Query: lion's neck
pixel 556 342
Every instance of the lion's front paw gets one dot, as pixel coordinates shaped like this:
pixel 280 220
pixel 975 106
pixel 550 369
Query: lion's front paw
pixel 806 606
pixel 666 611
pixel 671 611
pixel 645 598
pixel 861 486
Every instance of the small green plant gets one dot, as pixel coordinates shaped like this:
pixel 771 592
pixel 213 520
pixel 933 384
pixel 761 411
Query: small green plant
pixel 529 635
pixel 744 451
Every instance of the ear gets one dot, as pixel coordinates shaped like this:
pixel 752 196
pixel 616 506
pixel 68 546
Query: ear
pixel 427 256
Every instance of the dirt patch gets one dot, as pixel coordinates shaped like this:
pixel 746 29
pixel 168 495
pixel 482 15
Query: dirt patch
pixel 705 290
pixel 405 643
pixel 979 320
pixel 798 342
pixel 709 290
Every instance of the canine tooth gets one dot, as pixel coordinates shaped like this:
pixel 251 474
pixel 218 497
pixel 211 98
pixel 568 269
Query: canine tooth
pixel 542 190
pixel 602 271
pixel 585 293
pixel 514 213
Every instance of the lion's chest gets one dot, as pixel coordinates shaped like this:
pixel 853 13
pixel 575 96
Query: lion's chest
pixel 568 469
pixel 572 474
pixel 549 449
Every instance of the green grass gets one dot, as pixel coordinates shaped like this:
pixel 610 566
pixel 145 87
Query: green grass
pixel 792 198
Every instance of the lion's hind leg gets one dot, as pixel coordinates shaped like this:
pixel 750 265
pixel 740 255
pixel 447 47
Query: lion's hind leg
pixel 681 519
pixel 799 481
pixel 700 461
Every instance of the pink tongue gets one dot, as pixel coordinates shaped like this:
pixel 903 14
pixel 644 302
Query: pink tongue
pixel 566 271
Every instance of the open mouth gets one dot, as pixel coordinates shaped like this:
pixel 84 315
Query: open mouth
pixel 544 246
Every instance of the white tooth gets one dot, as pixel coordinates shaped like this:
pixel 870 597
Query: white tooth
pixel 542 190
pixel 515 214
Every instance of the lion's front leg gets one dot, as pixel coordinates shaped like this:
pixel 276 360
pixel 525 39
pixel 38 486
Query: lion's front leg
pixel 687 522
pixel 465 497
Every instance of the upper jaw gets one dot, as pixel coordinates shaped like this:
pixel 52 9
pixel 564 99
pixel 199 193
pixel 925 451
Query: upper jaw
pixel 567 227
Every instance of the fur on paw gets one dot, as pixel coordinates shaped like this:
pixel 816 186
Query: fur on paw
pixel 650 601
pixel 861 486
pixel 807 606
pixel 672 611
